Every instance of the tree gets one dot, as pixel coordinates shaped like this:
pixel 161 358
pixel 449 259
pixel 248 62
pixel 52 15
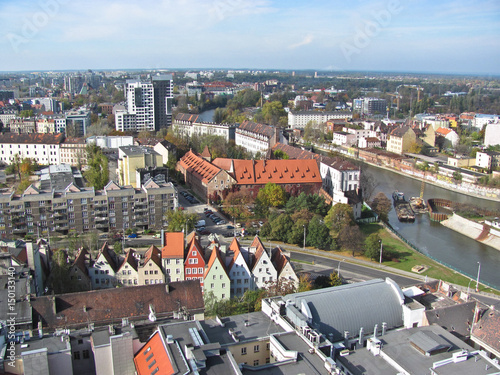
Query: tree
pixel 339 216
pixel 26 113
pixel 281 226
pixel 272 195
pixel 368 183
pixel 350 238
pixel 117 247
pixel 279 287
pixel 272 112
pixel 457 176
pixel 97 175
pixel 382 206
pixel 178 221
pixel 318 234
pixel 372 246
pixel 300 220
pixel 305 283
pixel 236 204
pixel 415 148
pixel 279 154
pixel 335 279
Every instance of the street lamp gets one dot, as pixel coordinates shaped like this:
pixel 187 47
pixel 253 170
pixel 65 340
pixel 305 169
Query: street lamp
pixel 338 267
pixel 304 237
pixel 478 271
pixel 381 244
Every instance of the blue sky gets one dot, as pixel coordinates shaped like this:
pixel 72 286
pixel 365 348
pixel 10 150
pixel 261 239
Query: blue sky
pixel 395 35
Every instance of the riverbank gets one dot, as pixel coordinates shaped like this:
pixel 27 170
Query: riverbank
pixel 429 179
pixel 476 231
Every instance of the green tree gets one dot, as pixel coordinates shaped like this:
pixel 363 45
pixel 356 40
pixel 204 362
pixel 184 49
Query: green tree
pixel 300 221
pixel 236 204
pixel 457 176
pixel 334 279
pixel 281 226
pixel 26 113
pixel 272 195
pixel 178 220
pixel 272 112
pixel 372 246
pixel 117 248
pixel 339 216
pixel 318 234
pixel 382 206
pixel 97 173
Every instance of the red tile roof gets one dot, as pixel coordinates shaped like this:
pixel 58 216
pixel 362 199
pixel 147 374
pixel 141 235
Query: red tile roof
pixel 130 260
pixel 187 117
pixel 174 245
pixel 198 167
pixel 153 254
pixel 279 260
pixel 105 306
pixel 153 350
pixel 32 138
pixel 253 127
pixel 251 172
pixel 109 259
pixel 235 248
pixel 443 131
pixel 487 328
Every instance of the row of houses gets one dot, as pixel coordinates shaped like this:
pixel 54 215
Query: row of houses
pixel 226 271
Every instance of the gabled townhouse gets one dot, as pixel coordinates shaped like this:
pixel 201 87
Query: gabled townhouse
pixel 343 138
pixel 401 139
pixel 172 254
pixel 284 267
pixel 150 271
pixel 369 142
pixel 127 274
pixel 79 271
pixel 103 271
pixel 238 270
pixel 216 277
pixel 194 265
pixel 262 268
pixel 449 136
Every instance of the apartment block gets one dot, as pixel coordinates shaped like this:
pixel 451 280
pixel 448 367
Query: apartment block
pixel 78 210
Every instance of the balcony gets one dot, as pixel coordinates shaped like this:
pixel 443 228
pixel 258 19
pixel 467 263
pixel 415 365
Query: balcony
pixel 17 210
pixel 100 218
pixel 102 225
pixel 20 230
pixel 62 228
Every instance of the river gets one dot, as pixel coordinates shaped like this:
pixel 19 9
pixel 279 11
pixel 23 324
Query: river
pixel 207 116
pixel 436 240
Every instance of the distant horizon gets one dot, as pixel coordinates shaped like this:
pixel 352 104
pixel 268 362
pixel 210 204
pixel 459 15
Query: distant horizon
pixel 267 70
pixel 454 37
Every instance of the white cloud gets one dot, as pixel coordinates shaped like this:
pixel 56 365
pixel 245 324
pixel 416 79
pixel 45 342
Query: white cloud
pixel 308 39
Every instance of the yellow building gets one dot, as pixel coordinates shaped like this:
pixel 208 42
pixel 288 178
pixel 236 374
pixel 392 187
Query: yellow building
pixel 132 158
pixel 401 139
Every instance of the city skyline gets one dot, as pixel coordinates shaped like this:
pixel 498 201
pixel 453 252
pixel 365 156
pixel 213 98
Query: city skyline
pixel 448 37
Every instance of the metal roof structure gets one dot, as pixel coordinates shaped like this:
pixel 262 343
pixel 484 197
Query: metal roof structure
pixel 332 311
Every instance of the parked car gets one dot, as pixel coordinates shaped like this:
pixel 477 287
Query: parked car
pixel 220 222
pixel 133 235
pixel 229 227
pixel 204 232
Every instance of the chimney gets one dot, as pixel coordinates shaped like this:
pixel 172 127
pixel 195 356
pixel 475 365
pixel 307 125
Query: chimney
pixel 111 329
pixel 375 329
pixel 162 237
pixel 384 327
pixel 167 288
pixel 40 329
pixel 360 339
pixel 346 339
pixel 30 254
pixel 53 300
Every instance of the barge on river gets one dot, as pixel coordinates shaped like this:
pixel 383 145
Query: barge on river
pixel 402 207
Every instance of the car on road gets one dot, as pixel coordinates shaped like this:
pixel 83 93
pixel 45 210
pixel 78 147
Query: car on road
pixel 133 235
pixel 157 235
pixel 229 227
pixel 228 234
pixel 204 232
pixel 200 229
pixel 220 222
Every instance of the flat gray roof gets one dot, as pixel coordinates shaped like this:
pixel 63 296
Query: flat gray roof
pixel 259 326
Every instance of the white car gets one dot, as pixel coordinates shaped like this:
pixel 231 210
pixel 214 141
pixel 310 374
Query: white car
pixel 221 222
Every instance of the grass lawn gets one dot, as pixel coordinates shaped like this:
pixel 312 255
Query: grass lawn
pixel 410 258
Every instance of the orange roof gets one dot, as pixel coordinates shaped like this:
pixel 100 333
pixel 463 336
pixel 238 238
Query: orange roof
pixel 443 131
pixel 279 260
pixel 153 350
pixel 294 171
pixel 154 254
pixel 215 255
pixel 235 248
pixel 198 167
pixel 174 245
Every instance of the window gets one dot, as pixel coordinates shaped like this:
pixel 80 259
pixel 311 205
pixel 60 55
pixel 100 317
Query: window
pixel 243 351
pixel 76 355
pixel 256 348
pixel 188 271
pixel 86 354
pixel 256 362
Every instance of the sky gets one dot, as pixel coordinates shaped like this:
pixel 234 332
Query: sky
pixel 460 36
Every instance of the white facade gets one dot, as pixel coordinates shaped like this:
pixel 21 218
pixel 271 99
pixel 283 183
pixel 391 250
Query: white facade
pixel 344 138
pixel 43 154
pixel 140 113
pixel 264 271
pixel 252 142
pixel 481 120
pixel 240 275
pixel 111 141
pixel 338 180
pixel 102 273
pixel 360 133
pixel 487 160
pixel 492 134
pixel 298 120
